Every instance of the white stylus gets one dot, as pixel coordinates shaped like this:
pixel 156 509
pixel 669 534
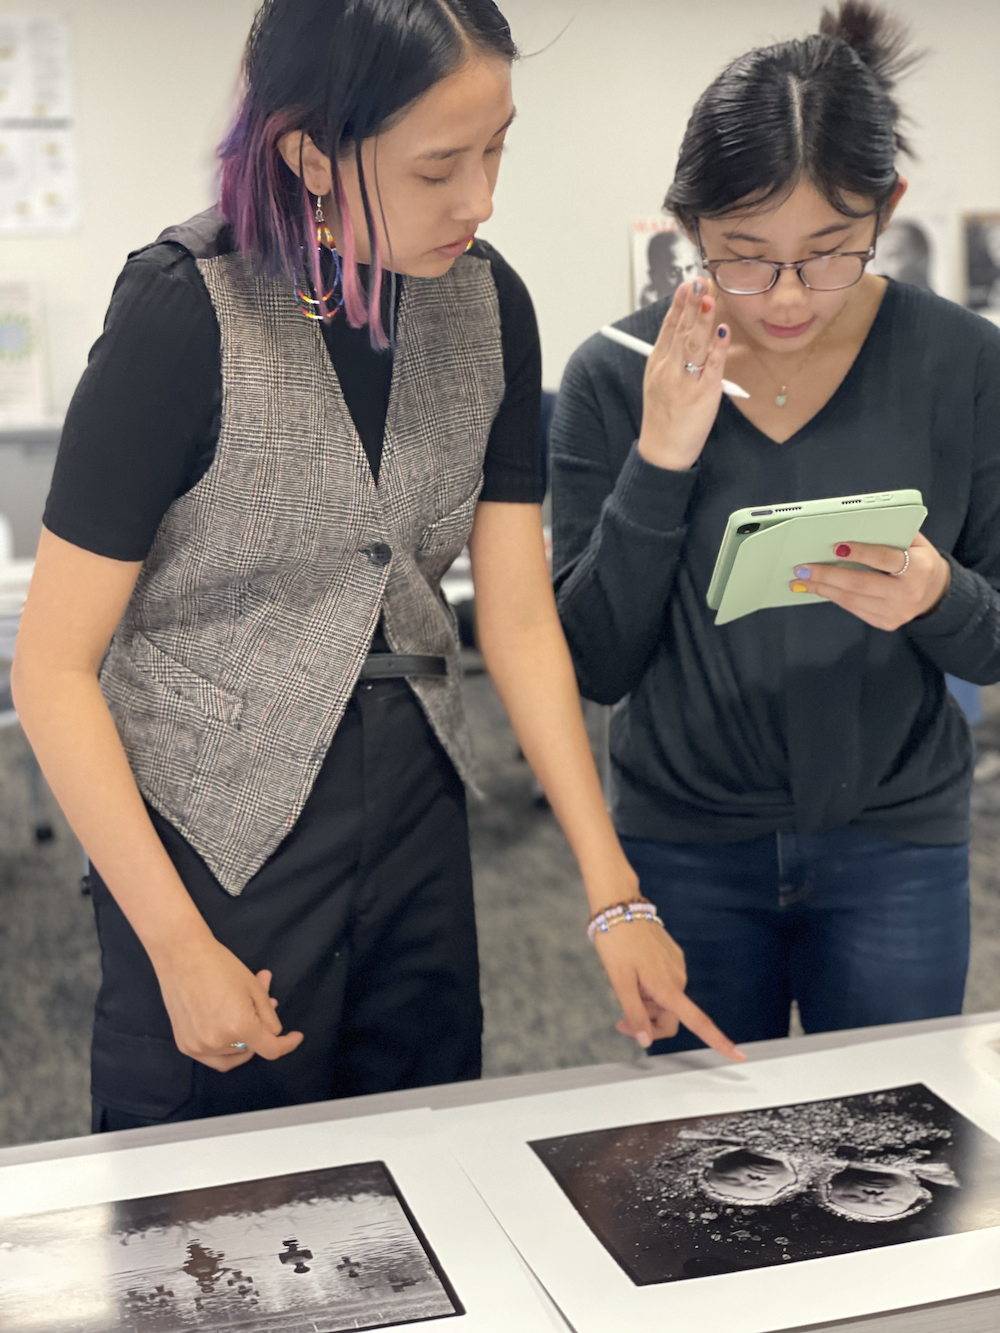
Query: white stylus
pixel 644 349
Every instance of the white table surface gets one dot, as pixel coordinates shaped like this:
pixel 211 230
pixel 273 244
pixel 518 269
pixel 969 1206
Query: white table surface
pixel 976 1314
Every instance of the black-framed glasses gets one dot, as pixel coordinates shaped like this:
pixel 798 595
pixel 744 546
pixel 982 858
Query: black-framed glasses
pixel 822 273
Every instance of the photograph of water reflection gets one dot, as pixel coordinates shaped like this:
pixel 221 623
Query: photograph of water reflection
pixel 712 1195
pixel 314 1252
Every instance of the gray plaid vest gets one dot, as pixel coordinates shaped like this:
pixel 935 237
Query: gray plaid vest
pixel 253 613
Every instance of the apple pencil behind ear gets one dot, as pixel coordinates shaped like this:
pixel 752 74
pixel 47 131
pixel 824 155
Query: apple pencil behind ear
pixel 643 348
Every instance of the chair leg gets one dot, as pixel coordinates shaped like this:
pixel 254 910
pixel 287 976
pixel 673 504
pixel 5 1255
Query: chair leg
pixel 36 786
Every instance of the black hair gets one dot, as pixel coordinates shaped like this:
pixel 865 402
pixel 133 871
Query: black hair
pixel 341 71
pixel 820 109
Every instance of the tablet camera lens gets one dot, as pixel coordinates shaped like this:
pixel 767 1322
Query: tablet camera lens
pixel 746 528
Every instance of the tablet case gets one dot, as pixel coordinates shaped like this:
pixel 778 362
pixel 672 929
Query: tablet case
pixel 765 562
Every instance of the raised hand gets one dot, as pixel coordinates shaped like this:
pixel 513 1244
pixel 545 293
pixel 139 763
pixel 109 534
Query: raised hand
pixel 679 405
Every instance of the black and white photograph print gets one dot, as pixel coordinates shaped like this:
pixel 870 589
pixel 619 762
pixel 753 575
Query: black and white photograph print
pixel 982 257
pixel 662 258
pixel 312 1252
pixel 711 1195
pixel 906 251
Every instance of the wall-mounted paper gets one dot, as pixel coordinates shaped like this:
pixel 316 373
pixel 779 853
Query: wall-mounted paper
pixel 22 366
pixel 982 258
pixel 919 250
pixel 39 192
pixel 662 258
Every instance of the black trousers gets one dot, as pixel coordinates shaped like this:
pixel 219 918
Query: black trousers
pixel 365 916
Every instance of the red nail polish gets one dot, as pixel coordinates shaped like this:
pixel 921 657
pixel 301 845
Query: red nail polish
pixel 843 551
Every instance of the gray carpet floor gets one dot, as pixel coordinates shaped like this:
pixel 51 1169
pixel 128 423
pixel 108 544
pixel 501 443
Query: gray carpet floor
pixel 547 1002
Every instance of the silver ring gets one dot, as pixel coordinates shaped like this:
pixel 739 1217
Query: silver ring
pixel 906 565
pixel 238 1045
pixel 692 369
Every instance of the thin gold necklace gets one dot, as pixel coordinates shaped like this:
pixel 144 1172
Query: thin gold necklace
pixel 781 397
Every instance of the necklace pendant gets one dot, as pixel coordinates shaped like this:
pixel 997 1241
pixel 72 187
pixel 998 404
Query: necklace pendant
pixel 781 399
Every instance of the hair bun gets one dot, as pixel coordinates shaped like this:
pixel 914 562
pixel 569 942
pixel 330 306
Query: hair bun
pixel 878 38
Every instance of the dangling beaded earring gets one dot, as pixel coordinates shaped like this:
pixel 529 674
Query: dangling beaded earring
pixel 324 236
pixel 309 305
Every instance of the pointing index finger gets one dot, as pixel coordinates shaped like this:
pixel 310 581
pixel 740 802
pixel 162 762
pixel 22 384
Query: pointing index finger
pixel 698 1022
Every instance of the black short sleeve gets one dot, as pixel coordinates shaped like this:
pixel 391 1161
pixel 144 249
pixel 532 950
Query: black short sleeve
pixel 143 423
pixel 513 469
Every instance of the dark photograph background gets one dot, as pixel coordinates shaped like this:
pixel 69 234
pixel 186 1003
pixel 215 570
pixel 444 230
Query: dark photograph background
pixel 699 1197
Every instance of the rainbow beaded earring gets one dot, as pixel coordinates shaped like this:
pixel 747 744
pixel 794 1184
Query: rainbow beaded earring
pixel 309 305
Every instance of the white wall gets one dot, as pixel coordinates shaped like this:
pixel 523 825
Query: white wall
pixel 601 116
pixel 155 83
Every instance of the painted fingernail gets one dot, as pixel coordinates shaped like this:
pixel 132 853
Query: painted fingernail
pixel 722 330
pixel 803 572
pixel 698 286
pixel 842 550
pixel 798 586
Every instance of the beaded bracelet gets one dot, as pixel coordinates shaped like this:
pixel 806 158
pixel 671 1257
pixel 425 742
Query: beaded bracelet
pixel 639 909
pixel 638 905
pixel 624 921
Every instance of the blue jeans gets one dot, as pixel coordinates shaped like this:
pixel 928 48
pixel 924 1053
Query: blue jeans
pixel 859 930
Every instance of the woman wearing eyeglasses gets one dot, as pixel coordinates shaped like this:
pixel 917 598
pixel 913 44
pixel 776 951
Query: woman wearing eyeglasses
pixel 793 787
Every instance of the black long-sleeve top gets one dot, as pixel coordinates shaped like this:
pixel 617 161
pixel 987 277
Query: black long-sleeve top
pixel 794 718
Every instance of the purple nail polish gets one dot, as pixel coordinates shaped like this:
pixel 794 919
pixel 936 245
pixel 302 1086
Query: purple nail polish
pixel 803 573
pixel 722 330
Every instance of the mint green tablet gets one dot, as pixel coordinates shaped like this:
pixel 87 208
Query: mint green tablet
pixel 762 546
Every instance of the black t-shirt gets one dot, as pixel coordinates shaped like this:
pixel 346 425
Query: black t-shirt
pixel 144 423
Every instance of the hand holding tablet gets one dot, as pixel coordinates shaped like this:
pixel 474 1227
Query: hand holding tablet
pixel 915 587
pixel 793 554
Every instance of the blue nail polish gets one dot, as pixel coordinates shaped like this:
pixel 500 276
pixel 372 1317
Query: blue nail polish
pixel 722 330
pixel 698 287
pixel 803 573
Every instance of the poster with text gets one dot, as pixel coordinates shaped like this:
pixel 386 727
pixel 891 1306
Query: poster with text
pixel 39 190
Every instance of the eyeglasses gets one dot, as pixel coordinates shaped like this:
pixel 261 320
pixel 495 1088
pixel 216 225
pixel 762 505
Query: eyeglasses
pixel 823 273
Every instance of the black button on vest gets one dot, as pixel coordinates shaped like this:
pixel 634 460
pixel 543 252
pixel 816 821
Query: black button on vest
pixel 378 553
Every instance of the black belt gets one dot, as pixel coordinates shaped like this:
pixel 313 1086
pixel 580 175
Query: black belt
pixel 386 666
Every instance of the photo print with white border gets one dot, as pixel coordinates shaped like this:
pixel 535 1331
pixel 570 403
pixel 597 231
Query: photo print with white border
pixel 713 1195
pixel 310 1252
